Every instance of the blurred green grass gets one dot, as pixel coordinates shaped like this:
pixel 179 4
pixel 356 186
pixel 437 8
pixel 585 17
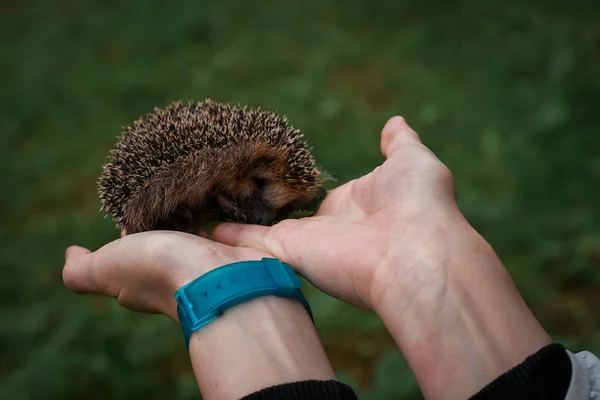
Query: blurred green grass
pixel 507 94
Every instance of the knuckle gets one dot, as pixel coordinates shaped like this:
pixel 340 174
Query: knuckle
pixel 275 238
pixel 435 169
pixel 122 298
pixel 69 278
pixel 443 174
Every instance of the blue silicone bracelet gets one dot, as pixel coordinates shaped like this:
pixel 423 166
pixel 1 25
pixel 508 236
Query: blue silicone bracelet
pixel 207 297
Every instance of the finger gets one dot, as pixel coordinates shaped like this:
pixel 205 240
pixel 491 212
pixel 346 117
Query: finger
pixel 395 134
pixel 240 235
pixel 77 272
pixel 332 202
pixel 202 233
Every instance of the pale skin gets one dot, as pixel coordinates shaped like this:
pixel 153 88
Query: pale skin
pixel 393 241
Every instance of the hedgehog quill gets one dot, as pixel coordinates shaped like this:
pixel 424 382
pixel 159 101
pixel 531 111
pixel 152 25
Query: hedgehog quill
pixel 187 165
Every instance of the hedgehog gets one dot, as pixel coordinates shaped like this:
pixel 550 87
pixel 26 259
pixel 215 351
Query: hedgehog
pixel 188 165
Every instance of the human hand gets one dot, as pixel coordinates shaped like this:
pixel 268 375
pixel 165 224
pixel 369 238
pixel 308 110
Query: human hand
pixel 396 242
pixel 350 247
pixel 143 271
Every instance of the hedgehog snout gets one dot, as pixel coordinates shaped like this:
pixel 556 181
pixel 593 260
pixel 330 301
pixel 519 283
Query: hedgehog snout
pixel 262 217
pixel 256 210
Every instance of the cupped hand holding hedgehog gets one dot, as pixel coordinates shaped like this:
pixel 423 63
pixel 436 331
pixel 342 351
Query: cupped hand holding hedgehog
pixel 393 241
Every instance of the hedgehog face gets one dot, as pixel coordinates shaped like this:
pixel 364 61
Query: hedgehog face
pixel 254 209
pixel 261 198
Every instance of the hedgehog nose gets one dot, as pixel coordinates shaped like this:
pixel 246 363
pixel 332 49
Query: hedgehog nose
pixel 263 217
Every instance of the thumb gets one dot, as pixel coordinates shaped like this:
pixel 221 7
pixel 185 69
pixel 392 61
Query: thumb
pixel 395 134
pixel 241 235
pixel 77 272
pixel 269 239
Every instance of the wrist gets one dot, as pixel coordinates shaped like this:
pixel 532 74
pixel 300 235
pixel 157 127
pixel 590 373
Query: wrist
pixel 192 265
pixel 261 343
pixel 417 262
pixel 458 308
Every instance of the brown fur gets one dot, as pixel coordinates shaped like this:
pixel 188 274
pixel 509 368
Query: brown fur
pixel 185 166
pixel 197 179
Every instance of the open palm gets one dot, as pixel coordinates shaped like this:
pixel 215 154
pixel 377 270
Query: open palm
pixel 348 248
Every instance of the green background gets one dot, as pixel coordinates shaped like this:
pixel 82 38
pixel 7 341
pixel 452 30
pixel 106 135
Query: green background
pixel 506 93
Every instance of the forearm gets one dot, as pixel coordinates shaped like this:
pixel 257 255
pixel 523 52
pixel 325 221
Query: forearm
pixel 265 342
pixel 469 326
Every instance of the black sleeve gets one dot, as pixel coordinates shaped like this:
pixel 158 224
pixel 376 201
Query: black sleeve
pixel 305 390
pixel 543 375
